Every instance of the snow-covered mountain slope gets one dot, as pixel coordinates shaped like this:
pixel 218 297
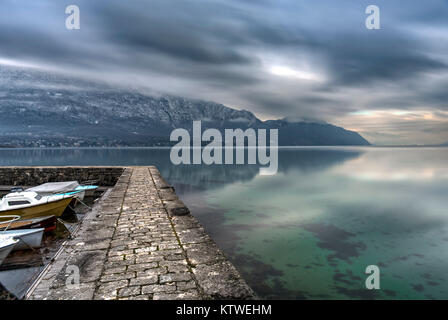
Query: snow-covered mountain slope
pixel 44 109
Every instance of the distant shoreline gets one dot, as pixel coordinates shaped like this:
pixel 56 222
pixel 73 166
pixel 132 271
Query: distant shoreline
pixel 169 147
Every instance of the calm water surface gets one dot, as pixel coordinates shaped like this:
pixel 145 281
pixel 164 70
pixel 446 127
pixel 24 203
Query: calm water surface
pixel 311 230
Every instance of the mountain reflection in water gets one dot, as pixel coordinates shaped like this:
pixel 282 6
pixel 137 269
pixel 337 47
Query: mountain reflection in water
pixel 311 230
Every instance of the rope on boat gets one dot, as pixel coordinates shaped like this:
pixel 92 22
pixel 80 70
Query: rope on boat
pixel 9 222
pixel 67 228
pixel 84 204
pixel 20 239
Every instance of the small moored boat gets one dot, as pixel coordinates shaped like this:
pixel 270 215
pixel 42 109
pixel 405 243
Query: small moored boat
pixel 48 223
pixel 29 205
pixel 27 238
pixel 67 187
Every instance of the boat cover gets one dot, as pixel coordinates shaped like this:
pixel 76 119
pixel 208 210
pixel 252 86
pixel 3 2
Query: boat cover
pixel 55 187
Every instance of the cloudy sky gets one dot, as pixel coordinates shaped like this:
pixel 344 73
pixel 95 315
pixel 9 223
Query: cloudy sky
pixel 299 59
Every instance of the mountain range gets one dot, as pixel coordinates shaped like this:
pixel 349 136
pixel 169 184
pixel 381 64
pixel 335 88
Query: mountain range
pixel 42 110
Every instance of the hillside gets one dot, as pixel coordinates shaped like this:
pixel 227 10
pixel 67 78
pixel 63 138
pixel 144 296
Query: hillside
pixel 64 112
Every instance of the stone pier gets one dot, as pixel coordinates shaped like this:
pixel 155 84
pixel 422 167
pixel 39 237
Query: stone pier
pixel 140 242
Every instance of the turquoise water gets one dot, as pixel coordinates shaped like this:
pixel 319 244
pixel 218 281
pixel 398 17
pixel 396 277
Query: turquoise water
pixel 311 230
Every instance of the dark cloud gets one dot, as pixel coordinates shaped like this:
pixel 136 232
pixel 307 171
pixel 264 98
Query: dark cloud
pixel 224 50
pixel 384 57
pixel 168 34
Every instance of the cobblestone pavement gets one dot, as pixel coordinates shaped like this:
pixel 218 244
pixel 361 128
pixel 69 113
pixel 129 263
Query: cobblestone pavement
pixel 131 247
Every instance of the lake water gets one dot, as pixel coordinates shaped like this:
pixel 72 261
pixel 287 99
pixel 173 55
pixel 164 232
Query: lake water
pixel 311 230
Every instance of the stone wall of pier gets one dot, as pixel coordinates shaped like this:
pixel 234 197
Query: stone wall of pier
pixel 33 176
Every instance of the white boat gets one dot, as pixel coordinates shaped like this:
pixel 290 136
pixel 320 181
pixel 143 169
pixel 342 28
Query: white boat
pixel 67 187
pixel 29 205
pixel 31 238
pixel 6 246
